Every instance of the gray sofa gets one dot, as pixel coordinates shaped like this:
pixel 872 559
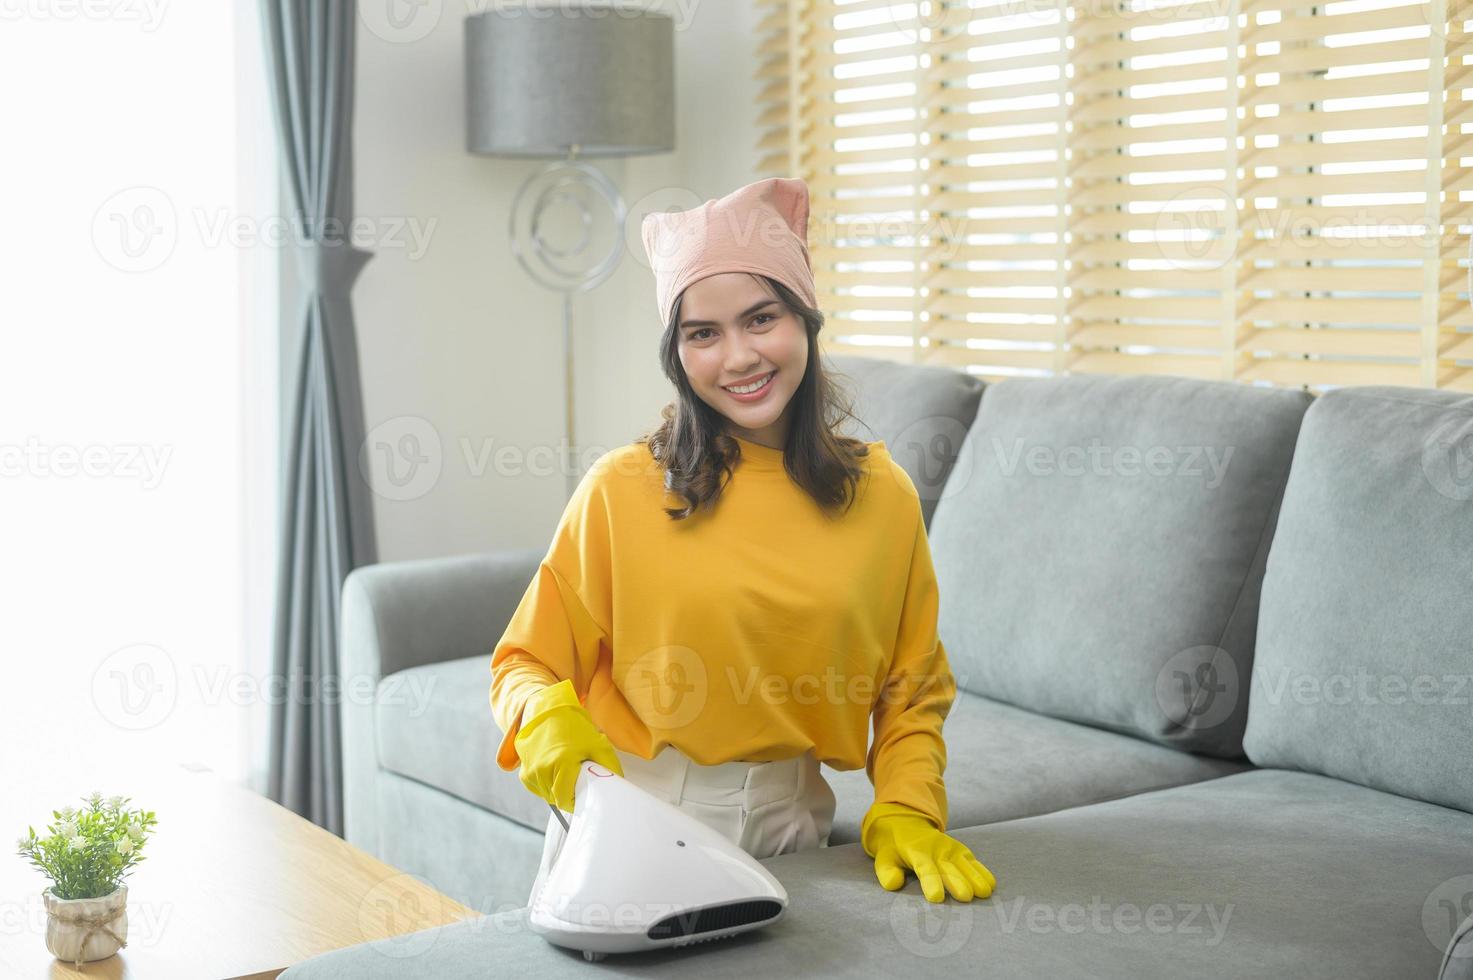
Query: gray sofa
pixel 1213 645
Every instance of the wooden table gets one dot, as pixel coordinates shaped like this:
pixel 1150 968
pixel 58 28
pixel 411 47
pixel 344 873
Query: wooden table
pixel 234 885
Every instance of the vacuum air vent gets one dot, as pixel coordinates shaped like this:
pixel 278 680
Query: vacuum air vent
pixel 714 918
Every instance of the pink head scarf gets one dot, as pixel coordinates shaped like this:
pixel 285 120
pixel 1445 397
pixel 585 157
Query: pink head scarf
pixel 762 227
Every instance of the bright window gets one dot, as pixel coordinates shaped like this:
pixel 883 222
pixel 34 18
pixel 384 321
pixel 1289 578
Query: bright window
pixel 138 382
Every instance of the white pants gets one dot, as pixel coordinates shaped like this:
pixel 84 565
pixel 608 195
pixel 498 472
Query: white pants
pixel 765 808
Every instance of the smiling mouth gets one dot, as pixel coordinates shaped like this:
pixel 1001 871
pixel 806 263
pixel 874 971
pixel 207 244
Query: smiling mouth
pixel 754 387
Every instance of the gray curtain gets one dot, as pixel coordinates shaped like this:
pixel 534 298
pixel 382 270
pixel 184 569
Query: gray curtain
pixel 327 515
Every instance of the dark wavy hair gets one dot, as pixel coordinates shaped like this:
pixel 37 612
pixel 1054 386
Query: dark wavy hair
pixel 699 456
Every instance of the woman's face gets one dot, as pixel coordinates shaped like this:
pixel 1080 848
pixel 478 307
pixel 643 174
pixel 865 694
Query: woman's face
pixel 734 329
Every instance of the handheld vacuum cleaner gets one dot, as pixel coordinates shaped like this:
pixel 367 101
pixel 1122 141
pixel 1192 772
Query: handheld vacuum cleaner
pixel 635 873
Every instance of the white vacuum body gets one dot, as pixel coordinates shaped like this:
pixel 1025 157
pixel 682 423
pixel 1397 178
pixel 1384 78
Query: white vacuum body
pixel 635 873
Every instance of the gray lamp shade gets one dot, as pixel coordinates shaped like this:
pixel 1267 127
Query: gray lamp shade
pixel 598 78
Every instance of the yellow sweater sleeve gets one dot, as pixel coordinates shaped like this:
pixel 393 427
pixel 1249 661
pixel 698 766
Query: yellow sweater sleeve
pixel 554 635
pixel 907 757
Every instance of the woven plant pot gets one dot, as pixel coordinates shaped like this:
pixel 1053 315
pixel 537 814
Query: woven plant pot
pixel 80 930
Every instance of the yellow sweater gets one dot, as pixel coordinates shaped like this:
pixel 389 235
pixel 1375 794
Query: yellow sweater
pixel 752 632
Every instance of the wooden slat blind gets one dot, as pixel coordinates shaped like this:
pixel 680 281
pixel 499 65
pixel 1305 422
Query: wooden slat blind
pixel 1267 191
pixel 777 124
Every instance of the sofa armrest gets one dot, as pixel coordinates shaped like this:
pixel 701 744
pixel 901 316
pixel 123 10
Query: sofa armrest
pixel 398 615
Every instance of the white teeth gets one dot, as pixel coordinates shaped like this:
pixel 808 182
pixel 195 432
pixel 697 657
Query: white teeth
pixel 750 388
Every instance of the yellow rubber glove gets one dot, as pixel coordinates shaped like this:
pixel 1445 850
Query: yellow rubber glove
pixel 900 837
pixel 555 737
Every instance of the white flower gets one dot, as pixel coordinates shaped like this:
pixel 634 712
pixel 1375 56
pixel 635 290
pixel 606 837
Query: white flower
pixel 67 828
pixel 116 802
pixel 135 830
pixel 94 798
pixel 76 843
pixel 125 846
pixel 68 813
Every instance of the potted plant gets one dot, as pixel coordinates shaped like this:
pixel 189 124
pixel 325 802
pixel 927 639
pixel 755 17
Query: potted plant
pixel 86 853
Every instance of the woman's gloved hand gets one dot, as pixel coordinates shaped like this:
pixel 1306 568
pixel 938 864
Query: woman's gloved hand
pixel 555 737
pixel 900 837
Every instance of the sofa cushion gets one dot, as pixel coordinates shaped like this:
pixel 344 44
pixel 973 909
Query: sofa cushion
pixel 920 411
pixel 1262 874
pixel 1004 762
pixel 1100 545
pixel 1365 640
pixel 434 725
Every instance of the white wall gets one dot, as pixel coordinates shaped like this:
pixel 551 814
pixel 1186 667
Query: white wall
pixel 459 342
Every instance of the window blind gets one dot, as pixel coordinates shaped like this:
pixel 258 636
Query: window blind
pixel 1265 191
pixel 778 127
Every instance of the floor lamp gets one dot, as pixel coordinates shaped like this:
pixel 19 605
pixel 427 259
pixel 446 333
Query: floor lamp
pixel 568 83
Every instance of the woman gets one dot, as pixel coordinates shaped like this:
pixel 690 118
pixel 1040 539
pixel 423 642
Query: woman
pixel 728 601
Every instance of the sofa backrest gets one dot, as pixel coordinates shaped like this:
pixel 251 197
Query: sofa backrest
pixel 1100 544
pixel 1364 668
pixel 921 411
